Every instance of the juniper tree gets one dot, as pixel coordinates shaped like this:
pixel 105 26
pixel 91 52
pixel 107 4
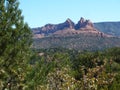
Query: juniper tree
pixel 15 41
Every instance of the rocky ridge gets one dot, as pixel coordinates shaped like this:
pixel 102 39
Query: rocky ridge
pixel 67 28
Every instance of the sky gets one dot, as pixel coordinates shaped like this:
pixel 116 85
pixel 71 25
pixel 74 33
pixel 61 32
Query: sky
pixel 37 13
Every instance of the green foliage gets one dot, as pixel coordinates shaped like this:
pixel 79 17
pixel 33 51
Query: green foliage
pixel 37 74
pixel 15 41
pixel 55 68
pixel 60 79
pixel 77 42
pixel 77 70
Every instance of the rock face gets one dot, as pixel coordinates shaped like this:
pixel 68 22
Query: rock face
pixel 67 24
pixel 51 28
pixel 68 28
pixel 70 24
pixel 82 23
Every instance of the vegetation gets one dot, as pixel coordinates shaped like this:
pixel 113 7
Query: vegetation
pixel 78 42
pixel 72 70
pixel 15 41
pixel 24 68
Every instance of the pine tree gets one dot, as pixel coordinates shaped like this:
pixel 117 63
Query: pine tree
pixel 15 42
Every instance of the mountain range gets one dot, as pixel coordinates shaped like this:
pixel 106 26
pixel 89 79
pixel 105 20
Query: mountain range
pixel 111 28
pixel 83 35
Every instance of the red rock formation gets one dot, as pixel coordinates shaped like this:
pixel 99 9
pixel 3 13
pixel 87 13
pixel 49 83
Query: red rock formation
pixel 82 23
pixel 68 27
pixel 69 23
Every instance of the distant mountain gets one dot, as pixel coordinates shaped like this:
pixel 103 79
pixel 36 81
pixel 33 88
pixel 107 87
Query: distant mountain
pixel 68 28
pixel 112 28
pixel 84 35
pixel 51 28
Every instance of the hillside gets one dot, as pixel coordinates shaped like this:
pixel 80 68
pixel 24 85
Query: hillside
pixel 78 42
pixel 81 36
pixel 112 28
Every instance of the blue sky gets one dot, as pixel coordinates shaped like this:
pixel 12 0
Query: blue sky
pixel 40 12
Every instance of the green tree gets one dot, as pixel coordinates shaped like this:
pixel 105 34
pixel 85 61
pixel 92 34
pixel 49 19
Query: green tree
pixel 15 41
